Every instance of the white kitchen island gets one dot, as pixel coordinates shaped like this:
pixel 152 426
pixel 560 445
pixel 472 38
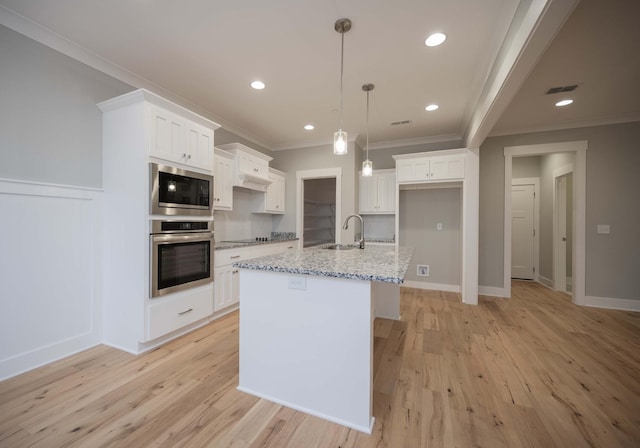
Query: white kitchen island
pixel 306 327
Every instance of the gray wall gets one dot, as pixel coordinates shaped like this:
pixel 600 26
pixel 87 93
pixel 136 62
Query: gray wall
pixel 50 126
pixel 291 161
pixel 420 212
pixel 613 158
pixel 525 167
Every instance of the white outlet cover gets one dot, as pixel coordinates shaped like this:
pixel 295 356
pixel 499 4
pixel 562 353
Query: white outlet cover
pixel 298 283
pixel 603 229
pixel 439 226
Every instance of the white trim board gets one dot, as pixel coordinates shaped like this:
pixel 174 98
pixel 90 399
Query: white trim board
pixel 580 187
pixel 431 286
pixel 612 304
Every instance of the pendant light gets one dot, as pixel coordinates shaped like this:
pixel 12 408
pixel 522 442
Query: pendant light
pixel 367 165
pixel 340 137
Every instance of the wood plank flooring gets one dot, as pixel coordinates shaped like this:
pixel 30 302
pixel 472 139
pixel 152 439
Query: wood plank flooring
pixel 531 371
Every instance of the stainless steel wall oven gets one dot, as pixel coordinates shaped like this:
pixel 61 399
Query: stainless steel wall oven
pixel 175 191
pixel 181 255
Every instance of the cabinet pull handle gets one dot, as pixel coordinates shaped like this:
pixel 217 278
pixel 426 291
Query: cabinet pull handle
pixel 235 272
pixel 235 256
pixel 185 312
pixel 290 247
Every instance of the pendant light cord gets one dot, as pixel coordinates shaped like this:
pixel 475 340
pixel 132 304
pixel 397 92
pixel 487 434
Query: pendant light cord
pixel 367 124
pixel 341 76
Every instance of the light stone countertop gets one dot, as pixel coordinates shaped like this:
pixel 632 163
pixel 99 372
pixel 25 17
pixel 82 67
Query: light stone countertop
pixel 387 264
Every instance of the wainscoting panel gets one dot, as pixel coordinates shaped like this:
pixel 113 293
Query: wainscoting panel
pixel 50 273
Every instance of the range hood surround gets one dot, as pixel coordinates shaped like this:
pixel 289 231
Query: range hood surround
pixel 250 167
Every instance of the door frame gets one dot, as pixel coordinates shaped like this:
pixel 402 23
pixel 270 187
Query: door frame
pixel 324 173
pixel 560 219
pixel 579 148
pixel 535 181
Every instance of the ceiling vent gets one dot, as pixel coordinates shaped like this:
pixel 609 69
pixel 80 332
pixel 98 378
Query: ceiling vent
pixel 570 88
pixel 398 123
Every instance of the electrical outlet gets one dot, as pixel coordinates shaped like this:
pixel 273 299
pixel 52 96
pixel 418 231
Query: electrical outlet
pixel 298 283
pixel 423 270
pixel 439 226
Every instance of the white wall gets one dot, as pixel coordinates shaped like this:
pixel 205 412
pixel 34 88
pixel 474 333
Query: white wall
pixel 241 223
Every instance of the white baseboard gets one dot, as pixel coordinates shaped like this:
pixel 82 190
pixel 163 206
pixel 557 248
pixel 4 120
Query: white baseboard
pixel 433 286
pixel 611 303
pixel 545 281
pixel 364 429
pixel 45 355
pixel 493 291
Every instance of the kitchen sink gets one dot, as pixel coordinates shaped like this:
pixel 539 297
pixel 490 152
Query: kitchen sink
pixel 341 247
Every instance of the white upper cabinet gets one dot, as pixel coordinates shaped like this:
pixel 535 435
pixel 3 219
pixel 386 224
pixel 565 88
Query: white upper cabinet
pixel 378 193
pixel 424 167
pixel 273 199
pixel 223 181
pixel 251 167
pixel 175 138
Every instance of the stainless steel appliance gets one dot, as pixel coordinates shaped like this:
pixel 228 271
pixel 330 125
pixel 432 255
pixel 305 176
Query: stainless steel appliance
pixel 181 255
pixel 175 191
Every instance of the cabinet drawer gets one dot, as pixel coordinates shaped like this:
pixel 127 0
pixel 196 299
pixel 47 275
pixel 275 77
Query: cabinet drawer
pixel 171 315
pixel 228 256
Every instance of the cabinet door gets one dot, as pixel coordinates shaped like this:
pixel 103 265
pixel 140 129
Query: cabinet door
pixel 167 135
pixel 234 291
pixel 368 194
pixel 447 167
pixel 274 196
pixel 223 184
pixel 386 187
pixel 199 150
pixel 413 169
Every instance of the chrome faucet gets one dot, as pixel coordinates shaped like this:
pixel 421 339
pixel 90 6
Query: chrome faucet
pixel 346 226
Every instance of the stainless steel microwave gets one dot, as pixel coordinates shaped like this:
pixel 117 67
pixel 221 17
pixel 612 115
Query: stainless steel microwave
pixel 176 192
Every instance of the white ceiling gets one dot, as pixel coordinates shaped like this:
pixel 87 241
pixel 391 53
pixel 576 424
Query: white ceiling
pixel 204 53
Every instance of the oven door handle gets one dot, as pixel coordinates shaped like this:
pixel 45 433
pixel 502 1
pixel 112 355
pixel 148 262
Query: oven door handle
pixel 174 238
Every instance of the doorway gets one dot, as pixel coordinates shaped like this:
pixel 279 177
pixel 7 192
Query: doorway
pixel 525 225
pixel 319 214
pixel 563 228
pixel 319 206
pixel 578 216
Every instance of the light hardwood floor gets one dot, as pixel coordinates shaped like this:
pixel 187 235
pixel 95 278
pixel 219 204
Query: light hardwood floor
pixel 532 371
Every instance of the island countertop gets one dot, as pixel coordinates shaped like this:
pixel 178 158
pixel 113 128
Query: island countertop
pixel 386 264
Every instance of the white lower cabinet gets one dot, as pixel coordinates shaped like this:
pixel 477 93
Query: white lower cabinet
pixel 172 314
pixel 227 278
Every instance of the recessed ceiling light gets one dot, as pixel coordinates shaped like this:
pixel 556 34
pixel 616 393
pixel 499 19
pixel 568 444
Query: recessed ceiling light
pixel 564 103
pixel 309 127
pixel 258 85
pixel 435 39
pixel 431 107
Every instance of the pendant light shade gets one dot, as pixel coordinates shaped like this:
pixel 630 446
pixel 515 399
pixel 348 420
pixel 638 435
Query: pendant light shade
pixel 340 139
pixel 340 142
pixel 367 165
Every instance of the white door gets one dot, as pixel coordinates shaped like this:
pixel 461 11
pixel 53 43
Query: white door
pixel 522 231
pixel 560 243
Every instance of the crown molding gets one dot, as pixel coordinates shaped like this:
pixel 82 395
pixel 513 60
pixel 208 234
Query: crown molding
pixel 570 125
pixel 67 47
